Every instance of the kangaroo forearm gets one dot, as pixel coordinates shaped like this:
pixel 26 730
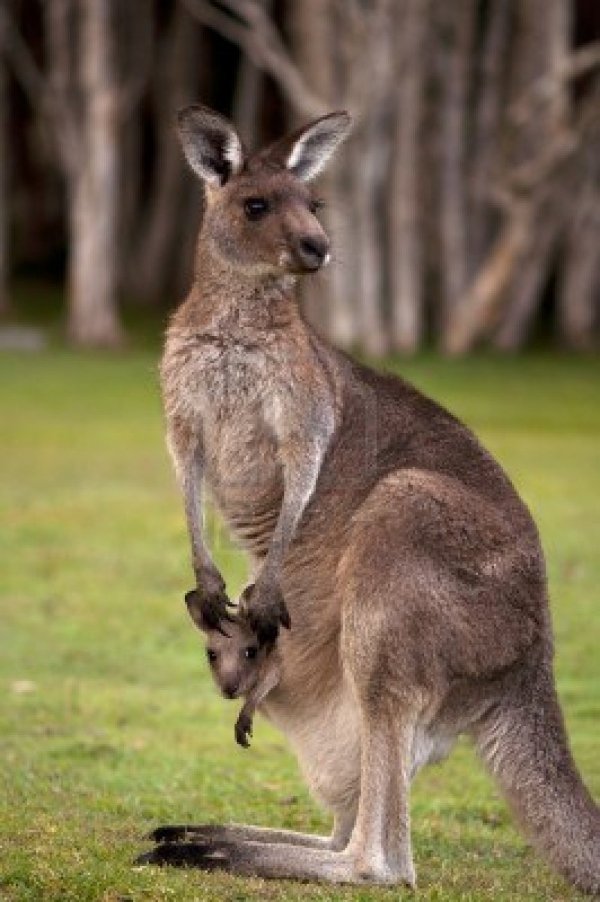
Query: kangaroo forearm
pixel 207 602
pixel 202 561
pixel 191 472
pixel 265 605
pixel 185 445
pixel 300 478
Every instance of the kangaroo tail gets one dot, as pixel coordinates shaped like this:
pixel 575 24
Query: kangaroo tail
pixel 524 742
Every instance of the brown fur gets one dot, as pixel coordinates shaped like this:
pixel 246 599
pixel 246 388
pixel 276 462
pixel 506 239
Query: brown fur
pixel 411 570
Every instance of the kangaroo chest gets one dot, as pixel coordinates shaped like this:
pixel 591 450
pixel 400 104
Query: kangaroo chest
pixel 230 391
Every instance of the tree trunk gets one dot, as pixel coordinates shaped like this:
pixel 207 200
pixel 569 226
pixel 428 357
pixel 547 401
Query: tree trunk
pixel 542 44
pixel 93 317
pixel 341 217
pixel 247 97
pixel 485 166
pixel 373 336
pixel 131 188
pixel 4 182
pixel 529 284
pixel 157 253
pixel 327 299
pixel 405 250
pixel 247 101
pixel 91 321
pixel 370 162
pixel 458 22
pixel 476 314
pixel 578 293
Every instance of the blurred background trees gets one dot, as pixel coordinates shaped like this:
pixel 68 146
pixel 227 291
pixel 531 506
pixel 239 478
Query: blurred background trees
pixel 465 209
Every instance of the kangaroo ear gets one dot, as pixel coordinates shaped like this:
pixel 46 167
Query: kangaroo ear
pixel 210 143
pixel 310 148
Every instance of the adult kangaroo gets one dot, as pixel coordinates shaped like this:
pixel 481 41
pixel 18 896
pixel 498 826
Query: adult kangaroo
pixel 409 569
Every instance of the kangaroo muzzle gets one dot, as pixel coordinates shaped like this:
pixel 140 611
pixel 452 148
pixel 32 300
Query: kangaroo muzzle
pixel 310 252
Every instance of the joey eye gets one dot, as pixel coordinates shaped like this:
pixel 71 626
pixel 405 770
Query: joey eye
pixel 255 207
pixel 211 655
pixel 251 652
pixel 316 205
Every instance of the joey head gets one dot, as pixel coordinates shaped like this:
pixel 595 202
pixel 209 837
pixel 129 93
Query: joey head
pixel 240 667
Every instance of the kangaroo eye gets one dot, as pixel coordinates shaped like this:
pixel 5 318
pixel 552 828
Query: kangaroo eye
pixel 255 207
pixel 211 655
pixel 316 205
pixel 251 652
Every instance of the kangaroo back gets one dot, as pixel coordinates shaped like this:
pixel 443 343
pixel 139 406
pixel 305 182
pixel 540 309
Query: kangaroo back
pixel 524 742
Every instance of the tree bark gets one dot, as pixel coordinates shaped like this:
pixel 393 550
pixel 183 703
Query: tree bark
pixel 157 253
pixel 328 298
pixel 458 22
pixel 476 314
pixel 405 248
pixel 373 336
pixel 578 292
pixel 485 166
pixel 93 317
pixel 515 328
pixel 310 27
pixel 247 98
pixel 374 94
pixel 541 47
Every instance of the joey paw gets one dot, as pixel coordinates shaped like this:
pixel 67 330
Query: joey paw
pixel 243 730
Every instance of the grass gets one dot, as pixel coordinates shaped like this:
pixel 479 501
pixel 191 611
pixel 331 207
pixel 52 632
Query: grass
pixel 108 722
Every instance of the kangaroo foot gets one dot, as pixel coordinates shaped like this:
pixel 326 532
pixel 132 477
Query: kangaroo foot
pixel 269 860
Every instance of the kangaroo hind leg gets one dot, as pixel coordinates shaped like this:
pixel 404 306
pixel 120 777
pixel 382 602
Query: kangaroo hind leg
pixel 379 846
pixel 379 664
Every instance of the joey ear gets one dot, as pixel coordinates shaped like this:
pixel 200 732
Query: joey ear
pixel 192 602
pixel 310 148
pixel 210 143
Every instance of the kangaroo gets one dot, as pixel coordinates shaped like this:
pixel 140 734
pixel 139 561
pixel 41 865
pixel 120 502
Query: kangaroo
pixel 240 667
pixel 378 527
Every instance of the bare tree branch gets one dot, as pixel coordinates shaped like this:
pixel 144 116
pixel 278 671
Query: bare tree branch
pixel 62 98
pixel 476 314
pixel 532 198
pixel 543 90
pixel 258 37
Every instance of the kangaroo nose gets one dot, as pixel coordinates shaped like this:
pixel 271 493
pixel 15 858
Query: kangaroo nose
pixel 312 252
pixel 230 691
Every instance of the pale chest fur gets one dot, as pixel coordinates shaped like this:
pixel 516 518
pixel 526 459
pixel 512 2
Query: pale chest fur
pixel 224 391
pixel 221 391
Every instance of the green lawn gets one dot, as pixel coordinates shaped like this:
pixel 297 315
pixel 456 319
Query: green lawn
pixel 108 722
